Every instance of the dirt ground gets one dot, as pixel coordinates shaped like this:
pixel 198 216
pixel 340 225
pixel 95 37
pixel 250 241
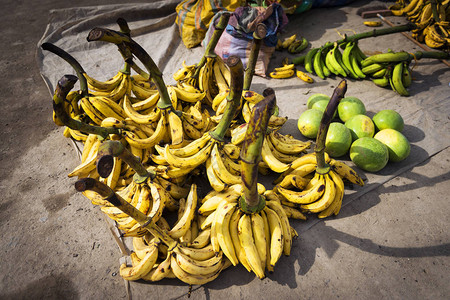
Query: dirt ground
pixel 392 243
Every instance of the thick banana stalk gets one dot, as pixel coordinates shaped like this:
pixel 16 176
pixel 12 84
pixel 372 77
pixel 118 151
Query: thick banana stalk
pixel 65 84
pixel 250 201
pixel 209 51
pixel 322 166
pixel 233 98
pixel 105 159
pixel 73 62
pixel 128 46
pixel 258 36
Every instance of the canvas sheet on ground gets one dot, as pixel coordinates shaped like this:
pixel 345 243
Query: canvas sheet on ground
pixel 426 112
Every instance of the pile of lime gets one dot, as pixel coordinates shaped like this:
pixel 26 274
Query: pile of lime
pixel 370 142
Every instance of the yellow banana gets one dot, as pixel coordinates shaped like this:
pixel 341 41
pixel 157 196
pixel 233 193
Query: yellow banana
pixel 273 163
pixel 220 168
pixel 303 76
pixel 189 162
pixel 259 236
pixel 372 23
pixel 285 226
pixel 326 199
pixel 276 236
pixel 103 86
pixel 183 224
pixel 248 245
pixel 282 74
pixel 306 196
pixel 288 41
pixel 222 225
pixel 335 206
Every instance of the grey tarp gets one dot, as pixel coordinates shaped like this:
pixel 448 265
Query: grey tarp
pixel 426 112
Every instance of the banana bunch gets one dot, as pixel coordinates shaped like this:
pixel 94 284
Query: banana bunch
pixel 184 252
pixel 431 20
pixel 328 60
pixel 389 69
pixel 256 240
pixel 292 44
pixel 278 150
pixel 314 182
pixel 192 259
pixel 275 122
pixel 385 69
pixel 210 76
pixel 150 198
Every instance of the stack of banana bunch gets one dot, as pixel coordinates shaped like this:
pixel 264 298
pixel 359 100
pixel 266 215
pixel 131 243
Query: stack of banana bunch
pixel 431 18
pixel 139 162
pixel 292 44
pixel 314 183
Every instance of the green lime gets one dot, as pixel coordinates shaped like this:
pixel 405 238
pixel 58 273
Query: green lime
pixel 316 97
pixel 369 154
pixel 309 121
pixel 397 144
pixel 338 140
pixel 349 107
pixel 388 118
pixel 321 105
pixel 360 126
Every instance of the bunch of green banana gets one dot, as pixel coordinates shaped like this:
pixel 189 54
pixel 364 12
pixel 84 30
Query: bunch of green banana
pixel 292 44
pixel 328 60
pixel 431 20
pixel 312 182
pixel 389 69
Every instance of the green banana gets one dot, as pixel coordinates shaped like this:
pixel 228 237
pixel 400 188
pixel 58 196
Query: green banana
pixel 379 74
pixel 355 64
pixel 346 59
pixel 334 61
pixel 338 55
pixel 328 62
pixel 318 64
pixel 302 46
pixel 359 55
pixel 309 60
pixel 370 69
pixel 396 80
pixel 386 58
pixel 406 76
pixel 325 70
pixel 381 82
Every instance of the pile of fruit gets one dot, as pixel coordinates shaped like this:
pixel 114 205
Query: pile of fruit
pixel 344 58
pixel 371 143
pixel 431 19
pixel 176 166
